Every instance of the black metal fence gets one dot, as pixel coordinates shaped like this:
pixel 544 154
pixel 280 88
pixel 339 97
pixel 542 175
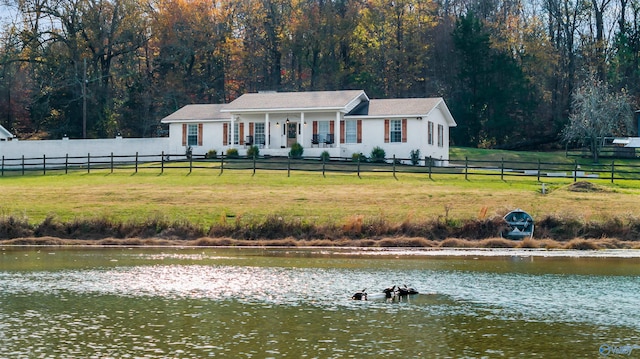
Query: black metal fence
pixel 623 170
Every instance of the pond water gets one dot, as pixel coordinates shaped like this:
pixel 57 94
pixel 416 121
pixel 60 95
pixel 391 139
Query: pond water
pixel 295 303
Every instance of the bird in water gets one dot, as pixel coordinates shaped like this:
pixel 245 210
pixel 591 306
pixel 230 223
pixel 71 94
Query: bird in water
pixel 361 295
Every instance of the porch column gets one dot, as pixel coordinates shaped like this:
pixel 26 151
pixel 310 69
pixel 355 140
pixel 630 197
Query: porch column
pixel 232 143
pixel 336 129
pixel 267 131
pixel 301 128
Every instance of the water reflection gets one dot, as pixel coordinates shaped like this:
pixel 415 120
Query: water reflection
pixel 195 303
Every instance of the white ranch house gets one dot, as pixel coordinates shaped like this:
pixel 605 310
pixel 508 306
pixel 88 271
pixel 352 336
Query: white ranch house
pixel 339 122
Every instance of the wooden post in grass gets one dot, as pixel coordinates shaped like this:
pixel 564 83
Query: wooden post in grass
pixel 502 169
pixel 136 162
pixel 394 167
pixel 111 162
pixel 323 166
pixel 23 165
pixel 162 163
pixel 575 170
pixel 190 163
pixel 66 163
pixel 466 167
pixel 44 165
pixel 2 166
pixel 254 165
pixel 221 163
pixel 359 166
pixel 289 165
pixel 613 170
pixel 430 163
pixel 88 162
pixel 539 170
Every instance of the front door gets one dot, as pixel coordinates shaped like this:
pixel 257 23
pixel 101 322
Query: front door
pixel 292 133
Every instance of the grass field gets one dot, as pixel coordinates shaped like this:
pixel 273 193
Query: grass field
pixel 205 198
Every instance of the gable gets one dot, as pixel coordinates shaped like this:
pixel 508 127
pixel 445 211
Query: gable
pixel 4 133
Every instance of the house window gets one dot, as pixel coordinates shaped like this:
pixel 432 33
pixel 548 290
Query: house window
pixel 440 136
pixel 192 135
pixel 236 134
pixel 395 131
pixel 323 130
pixel 351 129
pixel 430 134
pixel 259 135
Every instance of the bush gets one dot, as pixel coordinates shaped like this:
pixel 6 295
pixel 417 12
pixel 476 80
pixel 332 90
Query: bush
pixel 211 154
pixel 232 153
pixel 324 156
pixel 296 150
pixel 358 156
pixel 415 157
pixel 253 151
pixel 378 155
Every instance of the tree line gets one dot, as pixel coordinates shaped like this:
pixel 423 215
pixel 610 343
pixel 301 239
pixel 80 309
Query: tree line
pixel 506 68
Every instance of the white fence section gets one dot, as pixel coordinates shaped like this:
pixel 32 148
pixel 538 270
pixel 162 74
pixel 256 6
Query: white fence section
pixel 57 152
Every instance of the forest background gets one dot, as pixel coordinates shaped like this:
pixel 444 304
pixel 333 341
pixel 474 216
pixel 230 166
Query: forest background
pixel 506 68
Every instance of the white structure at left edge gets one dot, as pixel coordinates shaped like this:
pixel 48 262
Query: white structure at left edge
pixel 5 135
pixel 339 122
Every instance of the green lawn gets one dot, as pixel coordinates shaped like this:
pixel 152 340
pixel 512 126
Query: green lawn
pixel 204 196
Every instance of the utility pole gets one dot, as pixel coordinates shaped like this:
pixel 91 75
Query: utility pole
pixel 84 100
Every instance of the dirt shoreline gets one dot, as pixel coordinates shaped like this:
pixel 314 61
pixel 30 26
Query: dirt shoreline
pixel 406 244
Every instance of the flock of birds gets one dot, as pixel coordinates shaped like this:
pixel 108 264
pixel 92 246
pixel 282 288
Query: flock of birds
pixel 391 293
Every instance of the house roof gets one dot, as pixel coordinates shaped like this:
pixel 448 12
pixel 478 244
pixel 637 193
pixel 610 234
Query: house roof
pixel 402 107
pixel 295 101
pixel 4 133
pixel 355 103
pixel 198 113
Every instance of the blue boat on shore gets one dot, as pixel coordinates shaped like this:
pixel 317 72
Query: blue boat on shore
pixel 519 225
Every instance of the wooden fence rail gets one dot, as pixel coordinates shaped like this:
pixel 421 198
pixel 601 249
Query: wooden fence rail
pixel 464 167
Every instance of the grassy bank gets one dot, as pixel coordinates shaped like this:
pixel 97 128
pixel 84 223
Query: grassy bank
pixel 239 206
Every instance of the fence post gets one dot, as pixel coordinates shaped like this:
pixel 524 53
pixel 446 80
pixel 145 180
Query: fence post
pixel 190 163
pixel 221 163
pixel 394 167
pixel 466 167
pixel 323 166
pixel 88 162
pixel 430 163
pixel 23 165
pixel 66 163
pixel 111 162
pixel 502 169
pixel 44 165
pixel 539 169
pixel 254 165
pixel 289 165
pixel 613 166
pixel 162 163
pixel 359 166
pixel 575 170
pixel 136 162
pixel 2 166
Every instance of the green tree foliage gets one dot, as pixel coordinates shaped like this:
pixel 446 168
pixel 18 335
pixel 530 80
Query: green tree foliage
pixel 507 69
pixel 493 93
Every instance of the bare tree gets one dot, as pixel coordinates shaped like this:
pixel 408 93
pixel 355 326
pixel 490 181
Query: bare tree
pixel 597 112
